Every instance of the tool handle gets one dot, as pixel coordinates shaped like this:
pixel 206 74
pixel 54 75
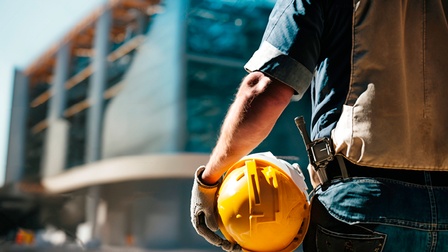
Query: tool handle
pixel 300 123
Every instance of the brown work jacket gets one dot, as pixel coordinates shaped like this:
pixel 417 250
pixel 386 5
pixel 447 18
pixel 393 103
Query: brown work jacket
pixel 396 111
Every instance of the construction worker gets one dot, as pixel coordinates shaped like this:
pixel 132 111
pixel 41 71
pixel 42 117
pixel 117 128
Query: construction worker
pixel 379 128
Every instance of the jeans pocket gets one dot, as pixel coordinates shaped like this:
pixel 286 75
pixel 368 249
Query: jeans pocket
pixel 329 241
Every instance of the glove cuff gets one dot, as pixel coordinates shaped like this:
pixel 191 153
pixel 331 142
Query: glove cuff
pixel 198 174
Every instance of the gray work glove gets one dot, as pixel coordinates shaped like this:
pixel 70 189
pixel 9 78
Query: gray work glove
pixel 203 212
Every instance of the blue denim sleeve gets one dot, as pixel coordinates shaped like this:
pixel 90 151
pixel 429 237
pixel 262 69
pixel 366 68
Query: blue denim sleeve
pixel 290 47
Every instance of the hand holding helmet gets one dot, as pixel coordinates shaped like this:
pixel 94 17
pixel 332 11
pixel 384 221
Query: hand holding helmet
pixel 260 205
pixel 203 212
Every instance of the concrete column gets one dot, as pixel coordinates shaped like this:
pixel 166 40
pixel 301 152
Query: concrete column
pixel 56 139
pixel 96 88
pixel 95 116
pixel 59 100
pixel 15 163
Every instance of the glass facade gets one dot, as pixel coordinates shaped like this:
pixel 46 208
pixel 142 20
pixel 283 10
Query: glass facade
pixel 220 37
pixel 227 29
pixel 36 124
pixel 76 139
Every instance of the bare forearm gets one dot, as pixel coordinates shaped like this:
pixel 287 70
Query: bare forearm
pixel 250 119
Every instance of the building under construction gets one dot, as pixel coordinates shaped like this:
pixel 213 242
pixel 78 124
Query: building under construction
pixel 110 123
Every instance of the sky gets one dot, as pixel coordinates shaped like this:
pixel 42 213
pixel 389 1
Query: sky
pixel 28 28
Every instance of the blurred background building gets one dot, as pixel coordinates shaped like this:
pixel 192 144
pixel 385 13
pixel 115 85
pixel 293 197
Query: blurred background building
pixel 111 122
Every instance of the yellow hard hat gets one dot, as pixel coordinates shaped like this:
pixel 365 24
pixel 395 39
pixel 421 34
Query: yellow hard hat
pixel 263 204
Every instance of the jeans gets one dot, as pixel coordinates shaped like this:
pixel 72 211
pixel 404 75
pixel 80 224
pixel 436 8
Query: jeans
pixel 376 214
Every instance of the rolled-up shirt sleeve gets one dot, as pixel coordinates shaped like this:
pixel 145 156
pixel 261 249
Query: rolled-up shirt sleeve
pixel 290 47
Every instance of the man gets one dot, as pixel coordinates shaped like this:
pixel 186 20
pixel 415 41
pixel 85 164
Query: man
pixel 378 83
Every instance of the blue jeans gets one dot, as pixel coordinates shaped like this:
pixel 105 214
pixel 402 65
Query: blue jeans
pixel 376 214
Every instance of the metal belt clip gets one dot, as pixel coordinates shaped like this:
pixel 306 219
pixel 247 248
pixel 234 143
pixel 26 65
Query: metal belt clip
pixel 320 151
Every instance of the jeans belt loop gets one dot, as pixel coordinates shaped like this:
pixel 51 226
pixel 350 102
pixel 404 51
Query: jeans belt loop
pixel 342 166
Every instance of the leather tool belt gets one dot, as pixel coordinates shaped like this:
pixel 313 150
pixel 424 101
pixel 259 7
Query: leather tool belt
pixel 330 166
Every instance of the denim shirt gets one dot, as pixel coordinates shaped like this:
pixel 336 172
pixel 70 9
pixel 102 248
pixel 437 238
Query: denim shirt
pixel 309 42
pixel 378 73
